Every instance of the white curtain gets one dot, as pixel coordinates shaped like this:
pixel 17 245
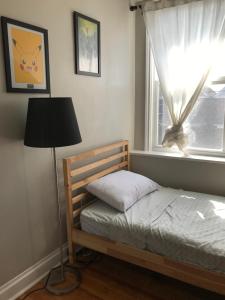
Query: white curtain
pixel 184 41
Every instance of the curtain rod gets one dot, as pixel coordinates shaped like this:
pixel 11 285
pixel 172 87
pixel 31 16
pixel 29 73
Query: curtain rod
pixel 139 4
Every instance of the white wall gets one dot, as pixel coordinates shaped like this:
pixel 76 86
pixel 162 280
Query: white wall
pixel 199 176
pixel 104 108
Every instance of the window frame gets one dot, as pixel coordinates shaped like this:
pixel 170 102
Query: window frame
pixel 151 114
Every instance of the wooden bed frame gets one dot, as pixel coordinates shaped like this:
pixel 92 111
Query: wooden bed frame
pixel 78 200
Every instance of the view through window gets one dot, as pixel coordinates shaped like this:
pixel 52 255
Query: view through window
pixel 205 125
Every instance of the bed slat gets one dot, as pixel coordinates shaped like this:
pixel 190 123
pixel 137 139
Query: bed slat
pixel 98 163
pixel 89 179
pixel 95 152
pixel 79 198
pixel 77 212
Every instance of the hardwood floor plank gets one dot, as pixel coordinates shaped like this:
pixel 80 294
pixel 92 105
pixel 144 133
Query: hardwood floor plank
pixel 112 279
pixel 139 284
pixel 146 279
pixel 109 288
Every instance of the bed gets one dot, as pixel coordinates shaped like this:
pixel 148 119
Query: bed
pixel 176 233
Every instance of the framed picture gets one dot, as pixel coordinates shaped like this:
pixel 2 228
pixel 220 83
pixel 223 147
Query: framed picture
pixel 26 57
pixel 87 45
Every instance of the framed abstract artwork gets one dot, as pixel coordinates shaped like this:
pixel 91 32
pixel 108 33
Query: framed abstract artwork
pixel 26 57
pixel 87 45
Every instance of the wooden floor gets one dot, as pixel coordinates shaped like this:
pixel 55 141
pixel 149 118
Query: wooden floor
pixel 111 279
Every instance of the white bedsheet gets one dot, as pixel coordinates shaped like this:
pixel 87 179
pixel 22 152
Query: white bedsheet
pixel 185 226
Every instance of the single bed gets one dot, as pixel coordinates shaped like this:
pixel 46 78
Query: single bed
pixel 185 226
pixel 177 233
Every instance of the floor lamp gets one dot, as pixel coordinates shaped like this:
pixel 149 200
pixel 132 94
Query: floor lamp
pixel 51 123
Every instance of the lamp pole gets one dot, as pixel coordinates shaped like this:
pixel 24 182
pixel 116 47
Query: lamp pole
pixel 57 275
pixel 58 210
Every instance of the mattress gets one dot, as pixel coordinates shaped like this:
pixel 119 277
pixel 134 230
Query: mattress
pixel 185 226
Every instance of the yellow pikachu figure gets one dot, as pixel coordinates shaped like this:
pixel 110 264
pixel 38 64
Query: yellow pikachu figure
pixel 27 57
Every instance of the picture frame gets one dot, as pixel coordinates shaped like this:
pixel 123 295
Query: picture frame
pixel 87 45
pixel 26 57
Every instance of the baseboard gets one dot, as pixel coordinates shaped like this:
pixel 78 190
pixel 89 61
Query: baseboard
pixel 24 281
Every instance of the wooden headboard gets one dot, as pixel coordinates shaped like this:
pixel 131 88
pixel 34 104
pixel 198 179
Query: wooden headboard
pixel 77 169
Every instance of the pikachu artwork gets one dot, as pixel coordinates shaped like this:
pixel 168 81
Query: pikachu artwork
pixel 26 57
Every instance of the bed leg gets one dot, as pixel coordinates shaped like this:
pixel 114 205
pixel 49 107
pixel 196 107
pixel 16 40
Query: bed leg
pixel 72 255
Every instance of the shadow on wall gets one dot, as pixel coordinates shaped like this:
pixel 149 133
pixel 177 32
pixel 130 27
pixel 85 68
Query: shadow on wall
pixel 12 118
pixel 13 108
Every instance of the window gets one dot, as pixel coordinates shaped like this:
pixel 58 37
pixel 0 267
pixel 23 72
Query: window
pixel 205 124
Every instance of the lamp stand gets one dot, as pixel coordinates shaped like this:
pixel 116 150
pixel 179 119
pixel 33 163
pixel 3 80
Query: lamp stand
pixel 57 274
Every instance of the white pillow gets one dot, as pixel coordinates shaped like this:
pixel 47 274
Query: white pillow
pixel 122 189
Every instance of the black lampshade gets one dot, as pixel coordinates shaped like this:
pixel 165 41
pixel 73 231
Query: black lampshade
pixel 51 122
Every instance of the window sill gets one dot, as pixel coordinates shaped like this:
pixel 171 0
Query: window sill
pixel 200 158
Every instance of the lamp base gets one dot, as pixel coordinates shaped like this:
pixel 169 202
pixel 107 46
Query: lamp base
pixel 63 280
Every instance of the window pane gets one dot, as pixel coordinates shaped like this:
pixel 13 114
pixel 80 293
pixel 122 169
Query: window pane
pixel 163 119
pixel 205 124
